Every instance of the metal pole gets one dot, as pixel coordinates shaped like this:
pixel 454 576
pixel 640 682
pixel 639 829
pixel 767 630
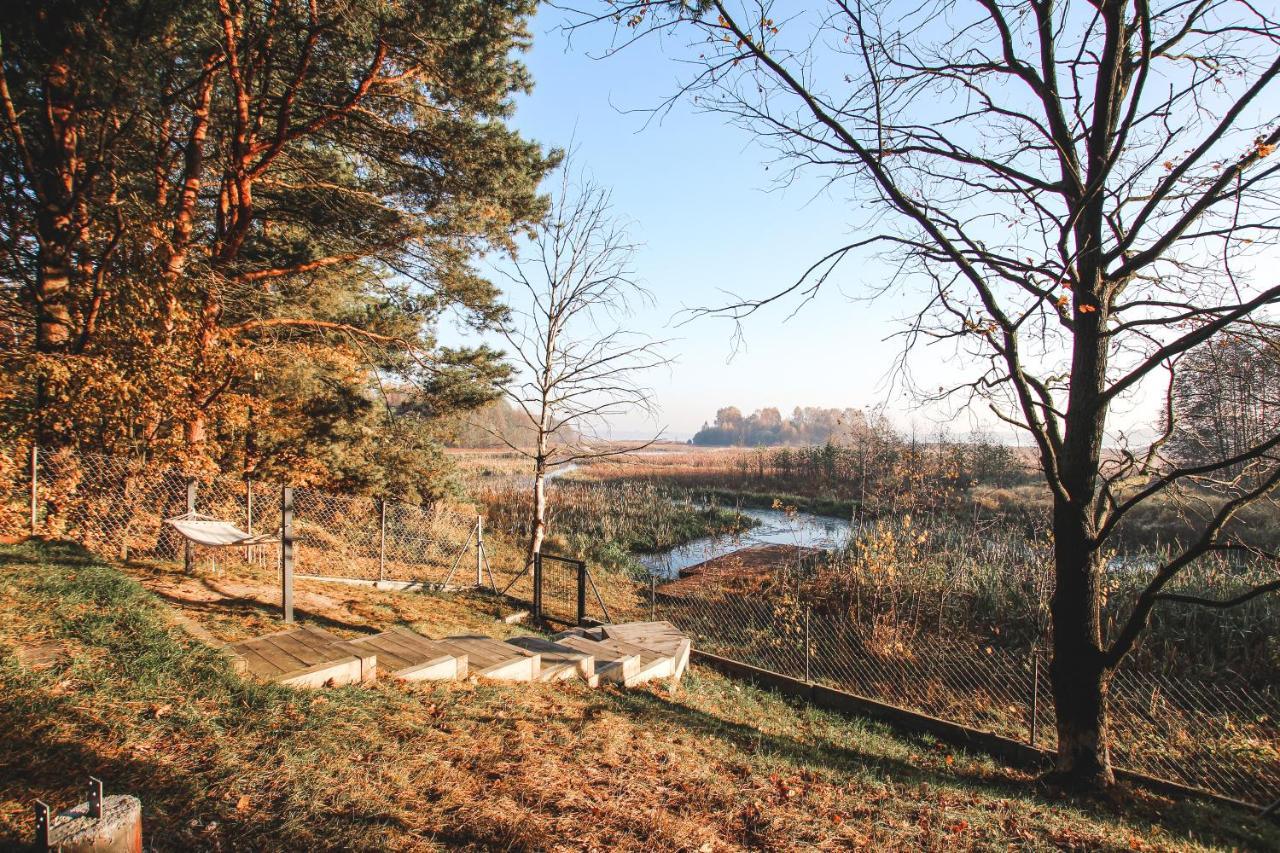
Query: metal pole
pixel 188 550
pixel 286 553
pixel 382 540
pixel 1035 694
pixel 582 591
pixel 248 503
pixel 479 550
pixel 653 598
pixel 35 484
pixel 807 653
pixel 537 587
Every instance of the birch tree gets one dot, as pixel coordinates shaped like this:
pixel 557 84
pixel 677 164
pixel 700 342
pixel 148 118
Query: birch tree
pixel 580 366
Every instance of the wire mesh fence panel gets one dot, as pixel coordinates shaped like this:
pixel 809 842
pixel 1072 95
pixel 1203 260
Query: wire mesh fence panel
pixel 336 535
pixel 434 544
pixel 112 506
pixel 762 633
pixel 1213 736
pixel 15 490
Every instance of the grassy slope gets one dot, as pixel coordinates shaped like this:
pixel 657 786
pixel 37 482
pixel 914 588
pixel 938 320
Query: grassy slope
pixel 220 763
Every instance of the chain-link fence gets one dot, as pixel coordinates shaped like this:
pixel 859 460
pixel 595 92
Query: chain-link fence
pixel 117 508
pixel 1217 736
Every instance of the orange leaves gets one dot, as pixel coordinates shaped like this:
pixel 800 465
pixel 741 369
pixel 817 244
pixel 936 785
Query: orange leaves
pixel 1085 308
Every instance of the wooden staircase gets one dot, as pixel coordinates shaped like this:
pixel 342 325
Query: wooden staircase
pixel 627 654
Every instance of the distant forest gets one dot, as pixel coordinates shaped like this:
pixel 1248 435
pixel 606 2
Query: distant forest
pixel 766 428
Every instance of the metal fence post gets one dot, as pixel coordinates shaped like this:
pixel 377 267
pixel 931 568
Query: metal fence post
pixel 537 587
pixel 35 485
pixel 188 550
pixel 382 540
pixel 653 598
pixel 286 553
pixel 808 655
pixel 582 591
pixel 1035 693
pixel 248 511
pixel 479 550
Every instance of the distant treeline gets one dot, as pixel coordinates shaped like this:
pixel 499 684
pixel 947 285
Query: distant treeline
pixel 807 425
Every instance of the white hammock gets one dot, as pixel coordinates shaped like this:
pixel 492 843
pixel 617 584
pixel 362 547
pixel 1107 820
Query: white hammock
pixel 216 533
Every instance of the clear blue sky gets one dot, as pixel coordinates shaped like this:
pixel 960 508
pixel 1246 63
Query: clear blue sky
pixel 710 220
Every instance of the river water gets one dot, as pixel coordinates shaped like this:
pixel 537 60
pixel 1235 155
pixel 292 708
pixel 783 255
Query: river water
pixel 774 527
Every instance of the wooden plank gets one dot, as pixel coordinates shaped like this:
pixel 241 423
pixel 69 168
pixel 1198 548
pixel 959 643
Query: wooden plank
pixel 331 647
pixel 414 642
pixel 491 658
pixel 254 663
pixel 330 673
pixel 443 668
pixel 305 652
pixel 412 648
pixel 391 658
pixel 280 659
pixel 409 656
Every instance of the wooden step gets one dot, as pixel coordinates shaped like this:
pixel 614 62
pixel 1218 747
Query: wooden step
pixel 652 664
pixel 494 659
pixel 304 657
pixel 559 661
pixel 661 637
pixel 410 656
pixel 611 663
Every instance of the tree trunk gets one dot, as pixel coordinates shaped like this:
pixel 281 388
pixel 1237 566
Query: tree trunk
pixel 538 523
pixel 1079 676
pixel 1079 673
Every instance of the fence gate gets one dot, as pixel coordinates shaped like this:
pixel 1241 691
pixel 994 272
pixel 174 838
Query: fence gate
pixel 560 587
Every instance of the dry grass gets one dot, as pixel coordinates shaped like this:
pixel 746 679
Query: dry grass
pixel 222 764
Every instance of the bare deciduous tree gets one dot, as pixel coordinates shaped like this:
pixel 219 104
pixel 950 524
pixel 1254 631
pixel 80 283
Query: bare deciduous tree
pixel 1082 190
pixel 579 365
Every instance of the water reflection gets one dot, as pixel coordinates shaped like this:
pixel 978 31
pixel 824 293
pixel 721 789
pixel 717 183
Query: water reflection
pixel 775 527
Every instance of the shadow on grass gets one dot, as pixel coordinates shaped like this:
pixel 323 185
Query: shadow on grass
pixel 1187 818
pixel 239 606
pixel 37 550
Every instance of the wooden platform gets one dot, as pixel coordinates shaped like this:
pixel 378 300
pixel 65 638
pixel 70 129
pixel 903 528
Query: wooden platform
pixel 410 656
pixel 494 659
pixel 661 637
pixel 304 657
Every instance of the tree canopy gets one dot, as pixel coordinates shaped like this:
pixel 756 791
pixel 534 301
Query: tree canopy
pixel 230 226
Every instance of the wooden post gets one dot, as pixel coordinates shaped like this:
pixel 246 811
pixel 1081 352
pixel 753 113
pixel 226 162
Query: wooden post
pixel 35 485
pixel 479 550
pixel 286 553
pixel 582 591
pixel 382 540
pixel 188 550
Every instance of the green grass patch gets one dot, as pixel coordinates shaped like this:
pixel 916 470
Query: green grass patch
pixel 221 763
